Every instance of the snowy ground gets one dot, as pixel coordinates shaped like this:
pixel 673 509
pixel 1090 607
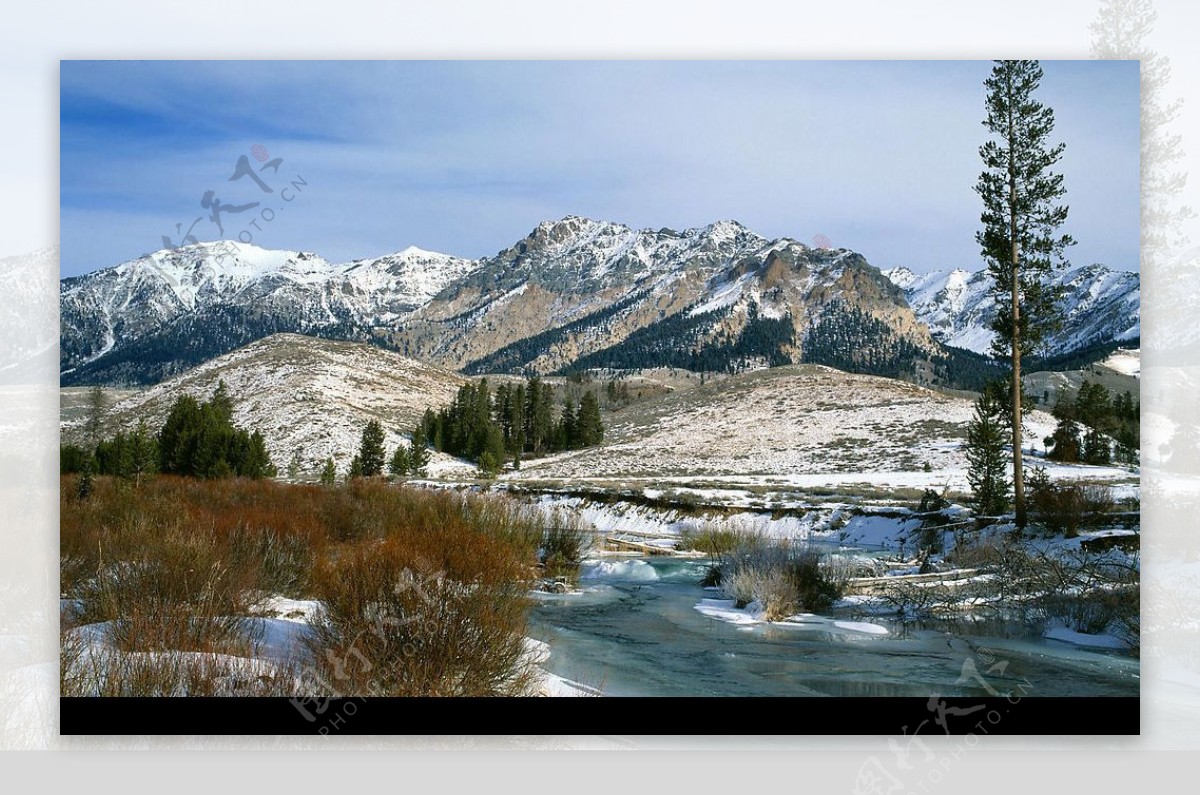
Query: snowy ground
pixel 279 629
pixel 1127 361
pixel 801 425
pixel 751 614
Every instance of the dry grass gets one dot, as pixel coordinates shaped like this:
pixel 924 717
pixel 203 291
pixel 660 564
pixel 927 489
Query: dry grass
pixel 168 573
pixel 96 670
pixel 396 624
pixel 785 578
pixel 566 540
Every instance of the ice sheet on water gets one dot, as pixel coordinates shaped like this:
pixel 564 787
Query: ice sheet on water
pixel 636 570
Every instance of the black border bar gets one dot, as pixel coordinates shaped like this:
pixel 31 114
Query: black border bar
pixel 1029 715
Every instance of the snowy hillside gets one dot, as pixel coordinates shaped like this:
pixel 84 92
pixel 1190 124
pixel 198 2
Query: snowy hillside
pixel 1126 361
pixel 804 426
pixel 1100 305
pixel 306 395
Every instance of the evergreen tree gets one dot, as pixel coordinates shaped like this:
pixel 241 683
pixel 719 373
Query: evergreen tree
pixel 256 462
pixel 987 459
pixel 83 488
pixel 1094 407
pixel 294 465
pixel 222 404
pixel 1065 441
pixel 71 459
pixel 489 465
pixel 399 465
pixel 143 454
pixel 516 421
pixel 115 456
pixel 1097 448
pixel 481 419
pixel 1064 409
pixel 1128 445
pixel 418 452
pixel 493 449
pixel 590 426
pixel 200 440
pixel 97 406
pixel 178 436
pixel 371 452
pixel 567 433
pixel 215 445
pixel 431 426
pixel 1000 391
pixel 356 468
pixel 502 407
pixel 328 473
pixel 1020 239
pixel 538 418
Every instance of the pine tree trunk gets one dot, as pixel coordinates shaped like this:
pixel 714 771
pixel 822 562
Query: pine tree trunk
pixel 1018 470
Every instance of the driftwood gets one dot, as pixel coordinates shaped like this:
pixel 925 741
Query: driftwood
pixel 867 585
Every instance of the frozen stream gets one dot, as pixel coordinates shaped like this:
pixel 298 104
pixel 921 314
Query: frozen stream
pixel 635 632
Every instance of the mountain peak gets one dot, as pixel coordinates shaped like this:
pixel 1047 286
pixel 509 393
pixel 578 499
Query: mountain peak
pixel 573 226
pixel 900 276
pixel 418 252
pixel 206 248
pixel 726 226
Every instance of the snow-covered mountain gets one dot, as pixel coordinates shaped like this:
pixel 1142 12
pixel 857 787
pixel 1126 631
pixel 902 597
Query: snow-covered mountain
pixel 586 293
pixel 158 314
pixel 573 293
pixel 1100 305
pixel 572 290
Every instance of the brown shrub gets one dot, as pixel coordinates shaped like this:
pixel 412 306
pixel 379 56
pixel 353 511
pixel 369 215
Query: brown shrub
pixel 426 614
pixel 175 565
pixel 1067 507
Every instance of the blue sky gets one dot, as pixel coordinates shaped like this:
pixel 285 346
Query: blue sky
pixel 467 157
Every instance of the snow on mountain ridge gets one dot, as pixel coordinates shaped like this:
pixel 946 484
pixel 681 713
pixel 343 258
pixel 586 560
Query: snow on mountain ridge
pixel 571 287
pixel 105 310
pixel 1100 305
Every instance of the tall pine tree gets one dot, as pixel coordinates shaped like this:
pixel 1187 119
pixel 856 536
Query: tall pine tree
pixel 96 409
pixel 1021 217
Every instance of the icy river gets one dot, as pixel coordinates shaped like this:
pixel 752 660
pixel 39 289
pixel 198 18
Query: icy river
pixel 635 631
